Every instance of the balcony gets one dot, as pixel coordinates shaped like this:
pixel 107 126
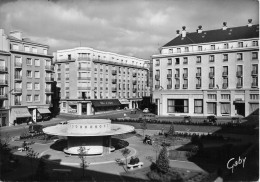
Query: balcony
pixel 198 86
pixel 49 79
pixel 134 74
pixel 254 85
pixel 239 73
pixel 18 90
pixel 185 75
pixel 48 90
pixel 169 75
pixel 3 82
pixel 225 74
pixel 185 86
pixel 224 85
pixel 84 59
pixel 169 86
pixel 114 81
pixel 157 86
pixel 211 74
pixel 18 64
pixel 3 97
pixel 177 76
pixel 84 68
pixel 239 85
pixel 49 68
pixel 134 90
pixel 84 88
pixel 114 72
pixel 3 69
pixel 84 78
pixel 134 82
pixel 17 102
pixel 18 78
pixel 211 86
pixel 48 102
pixel 157 77
pixel 198 74
pixel 114 89
pixel 254 73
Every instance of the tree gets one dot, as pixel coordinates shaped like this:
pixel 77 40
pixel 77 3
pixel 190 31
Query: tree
pixel 163 162
pixel 32 155
pixel 156 148
pixel 143 126
pixel 82 156
pixel 125 152
pixel 171 131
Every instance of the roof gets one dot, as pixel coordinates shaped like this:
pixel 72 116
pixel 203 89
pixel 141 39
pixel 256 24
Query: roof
pixel 233 33
pixel 26 40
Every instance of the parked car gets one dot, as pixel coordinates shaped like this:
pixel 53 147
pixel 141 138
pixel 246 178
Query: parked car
pixel 187 119
pixel 212 119
pixel 63 122
pixel 35 128
pixel 146 110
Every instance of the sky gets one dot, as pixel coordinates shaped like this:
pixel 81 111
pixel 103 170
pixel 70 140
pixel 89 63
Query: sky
pixel 130 27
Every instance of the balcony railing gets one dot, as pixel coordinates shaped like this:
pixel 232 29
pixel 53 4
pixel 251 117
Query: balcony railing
pixel 84 59
pixel 185 75
pixel 211 74
pixel 48 102
pixel 254 85
pixel 254 73
pixel 211 85
pixel 49 67
pixel 177 76
pixel 84 88
pixel 177 86
pixel 169 86
pixel 198 74
pixel 114 81
pixel 239 85
pixel 3 82
pixel 169 75
pixel 239 73
pixel 114 72
pixel 134 74
pixel 3 69
pixel 114 89
pixel 157 77
pixel 198 85
pixel 224 74
pixel 185 86
pixel 3 97
pixel 18 77
pixel 224 85
pixel 17 102
pixel 84 68
pixel 18 90
pixel 48 90
pixel 49 79
pixel 84 78
pixel 157 86
pixel 18 64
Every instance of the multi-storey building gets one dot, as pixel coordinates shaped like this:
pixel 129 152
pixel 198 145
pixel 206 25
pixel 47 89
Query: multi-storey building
pixel 208 72
pixel 92 80
pixel 28 77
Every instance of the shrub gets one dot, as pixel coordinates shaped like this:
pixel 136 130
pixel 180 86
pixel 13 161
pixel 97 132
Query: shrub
pixel 163 161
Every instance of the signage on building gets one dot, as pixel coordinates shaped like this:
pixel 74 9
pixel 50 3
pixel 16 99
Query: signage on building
pixel 34 115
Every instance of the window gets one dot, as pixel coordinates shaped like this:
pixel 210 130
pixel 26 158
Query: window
pixel 185 72
pixel 253 107
pixel 255 69
pixel 226 46
pixel 15 47
pixel 177 72
pixel 36 74
pixel 69 56
pixel 212 47
pixel 225 96
pixel 255 82
pixel 225 108
pixel 199 70
pixel 186 49
pixel 170 51
pixel 34 50
pixel 170 61
pixel 239 70
pixel 198 59
pixel 45 51
pixel 225 70
pixel 225 57
pixel 254 55
pixel 37 97
pixel 239 56
pixel 185 60
pixel 198 106
pixel 211 58
pixel 254 96
pixel 255 43
pixel 177 60
pixel 178 50
pixel 212 109
pixel 29 61
pixel 177 105
pixel 239 82
pixel 37 62
pixel 240 44
pixel 157 62
pixel 212 96
pixel 26 48
pixel 29 73
pixel 169 81
pixel 29 98
pixel 199 48
pixel 36 86
pixel 29 86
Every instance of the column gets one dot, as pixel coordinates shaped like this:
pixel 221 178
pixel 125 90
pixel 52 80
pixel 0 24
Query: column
pixel 233 107
pixel 131 104
pixel 89 108
pixel 158 107
pixel 247 105
pixel 79 109
pixel 205 106
pixel 218 103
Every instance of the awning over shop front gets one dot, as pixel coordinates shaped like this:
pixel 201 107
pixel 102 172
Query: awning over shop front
pixel 21 112
pixel 105 103
pixel 44 110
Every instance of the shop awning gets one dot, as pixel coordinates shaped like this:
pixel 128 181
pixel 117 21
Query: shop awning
pixel 105 103
pixel 21 112
pixel 44 110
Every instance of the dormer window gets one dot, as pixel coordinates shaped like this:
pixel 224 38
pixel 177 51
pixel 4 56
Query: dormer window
pixel 170 51
pixel 178 50
pixel 199 48
pixel 255 43
pixel 186 49
pixel 240 44
pixel 212 47
pixel 226 46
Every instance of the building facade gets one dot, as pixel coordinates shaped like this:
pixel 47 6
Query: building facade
pixel 92 80
pixel 27 77
pixel 211 72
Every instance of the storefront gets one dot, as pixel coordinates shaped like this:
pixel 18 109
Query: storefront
pixel 20 115
pixel 105 105
pixel 44 113
pixel 4 118
pixel 72 107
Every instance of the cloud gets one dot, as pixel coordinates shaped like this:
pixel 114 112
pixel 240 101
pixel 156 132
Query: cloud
pixel 133 27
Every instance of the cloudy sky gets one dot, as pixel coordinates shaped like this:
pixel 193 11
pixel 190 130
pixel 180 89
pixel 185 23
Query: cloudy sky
pixel 131 27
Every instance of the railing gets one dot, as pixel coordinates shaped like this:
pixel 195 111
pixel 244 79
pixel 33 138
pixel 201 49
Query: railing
pixel 3 69
pixel 239 85
pixel 114 81
pixel 169 75
pixel 198 74
pixel 185 86
pixel 254 72
pixel 48 102
pixel 224 74
pixel 177 75
pixel 134 82
pixel 48 90
pixel 177 86
pixel 225 59
pixel 18 77
pixel 84 68
pixel 211 85
pixel 3 82
pixel 18 90
pixel 224 85
pixel 84 59
pixel 84 88
pixel 67 59
pixel 17 102
pixel 49 67
pixel 119 64
pixel 157 77
pixel 169 86
pixel 211 74
pixel 49 79
pixel 3 97
pixel 254 85
pixel 18 64
pixel 114 72
pixel 84 78
pixel 198 85
pixel 185 75
pixel 114 89
pixel 239 73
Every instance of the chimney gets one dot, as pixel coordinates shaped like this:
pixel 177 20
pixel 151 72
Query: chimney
pixel 224 26
pixel 16 34
pixel 177 33
pixel 183 32
pixel 200 29
pixel 249 23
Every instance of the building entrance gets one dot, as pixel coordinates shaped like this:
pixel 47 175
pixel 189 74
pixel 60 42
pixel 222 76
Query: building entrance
pixel 240 108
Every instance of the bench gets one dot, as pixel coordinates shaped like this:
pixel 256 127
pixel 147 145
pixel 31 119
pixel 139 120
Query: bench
pixel 131 166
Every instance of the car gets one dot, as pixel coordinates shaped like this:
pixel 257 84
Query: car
pixel 146 110
pixel 63 122
pixel 212 119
